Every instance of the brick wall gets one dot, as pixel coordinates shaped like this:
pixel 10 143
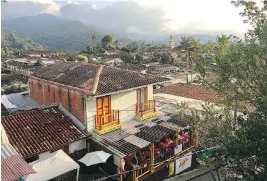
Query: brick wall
pixel 50 94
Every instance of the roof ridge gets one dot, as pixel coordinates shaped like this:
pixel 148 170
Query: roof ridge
pixel 96 81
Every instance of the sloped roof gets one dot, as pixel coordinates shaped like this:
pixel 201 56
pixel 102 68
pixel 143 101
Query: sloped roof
pixel 13 164
pixel 4 111
pixel 38 130
pixel 95 79
pixel 190 91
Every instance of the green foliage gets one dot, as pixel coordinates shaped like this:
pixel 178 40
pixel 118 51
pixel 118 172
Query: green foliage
pixel 53 33
pixel 240 68
pixel 107 42
pixel 12 42
pixel 95 48
pixel 166 58
pixel 127 57
pixel 82 58
pixel 5 51
pixel 14 89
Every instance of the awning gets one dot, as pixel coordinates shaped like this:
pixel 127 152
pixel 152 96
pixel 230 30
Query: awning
pixel 56 164
pixel 95 158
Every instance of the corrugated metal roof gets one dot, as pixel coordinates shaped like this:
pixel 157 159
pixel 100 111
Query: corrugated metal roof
pixel 137 141
pixel 14 168
pixel 7 151
pixel 136 135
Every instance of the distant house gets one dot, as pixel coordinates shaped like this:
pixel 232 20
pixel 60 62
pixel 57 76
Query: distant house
pixel 37 132
pixel 151 64
pixel 37 53
pixel 16 101
pixel 159 69
pixel 23 66
pixel 194 95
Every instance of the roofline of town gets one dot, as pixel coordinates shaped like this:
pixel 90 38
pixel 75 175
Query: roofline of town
pixel 125 90
pixel 89 136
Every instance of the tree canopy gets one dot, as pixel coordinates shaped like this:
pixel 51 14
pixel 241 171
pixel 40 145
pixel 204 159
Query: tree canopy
pixel 241 74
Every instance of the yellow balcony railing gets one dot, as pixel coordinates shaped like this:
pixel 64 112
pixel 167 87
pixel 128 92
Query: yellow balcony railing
pixel 107 122
pixel 147 108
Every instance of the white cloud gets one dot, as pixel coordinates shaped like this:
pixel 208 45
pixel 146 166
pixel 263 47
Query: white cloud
pixel 46 6
pixel 199 16
pixel 94 6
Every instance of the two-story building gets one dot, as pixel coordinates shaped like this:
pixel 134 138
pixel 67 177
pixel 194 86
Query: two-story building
pixel 101 97
pixel 118 108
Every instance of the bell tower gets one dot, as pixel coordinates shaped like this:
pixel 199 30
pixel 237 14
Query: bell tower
pixel 171 42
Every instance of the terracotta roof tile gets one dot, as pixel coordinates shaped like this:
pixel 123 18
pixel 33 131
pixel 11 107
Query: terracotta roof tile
pixel 190 91
pixel 87 76
pixel 38 130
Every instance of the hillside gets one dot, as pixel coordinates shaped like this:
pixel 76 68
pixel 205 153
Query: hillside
pixel 54 33
pixel 14 42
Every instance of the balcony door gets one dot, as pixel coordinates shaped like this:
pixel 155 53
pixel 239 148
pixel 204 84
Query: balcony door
pixel 142 97
pixel 103 108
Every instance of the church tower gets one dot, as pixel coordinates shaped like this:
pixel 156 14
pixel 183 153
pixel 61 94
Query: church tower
pixel 171 42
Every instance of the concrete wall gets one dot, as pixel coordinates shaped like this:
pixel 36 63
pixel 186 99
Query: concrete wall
pixel 76 146
pixel 150 92
pixel 90 113
pixel 126 103
pixel 44 155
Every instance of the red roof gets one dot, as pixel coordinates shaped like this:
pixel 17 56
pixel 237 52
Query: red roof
pixel 95 79
pixel 38 130
pixel 190 91
pixel 14 168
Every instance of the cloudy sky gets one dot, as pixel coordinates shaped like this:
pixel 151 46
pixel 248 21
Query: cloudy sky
pixel 168 16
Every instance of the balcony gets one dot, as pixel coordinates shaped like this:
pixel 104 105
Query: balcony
pixel 146 110
pixel 107 123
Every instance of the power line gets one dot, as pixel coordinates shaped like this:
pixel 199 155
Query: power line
pixel 166 161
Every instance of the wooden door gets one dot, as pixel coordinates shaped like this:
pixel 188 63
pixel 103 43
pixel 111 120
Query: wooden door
pixel 103 108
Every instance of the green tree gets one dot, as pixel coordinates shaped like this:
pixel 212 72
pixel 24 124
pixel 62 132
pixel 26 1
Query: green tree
pixel 127 58
pixel 107 42
pixel 191 47
pixel 82 58
pixel 116 43
pixel 240 68
pixel 166 58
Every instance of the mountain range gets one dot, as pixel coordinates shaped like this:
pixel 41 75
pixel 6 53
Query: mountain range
pixel 53 33
pixel 74 24
pixel 16 42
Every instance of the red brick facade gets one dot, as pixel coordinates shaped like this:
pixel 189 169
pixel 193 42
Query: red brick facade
pixel 47 93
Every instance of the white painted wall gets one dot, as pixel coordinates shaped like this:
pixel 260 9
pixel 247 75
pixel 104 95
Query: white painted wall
pixel 126 103
pixel 150 92
pixel 78 145
pixel 44 155
pixel 90 113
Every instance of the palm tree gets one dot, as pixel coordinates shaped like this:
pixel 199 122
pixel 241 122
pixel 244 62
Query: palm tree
pixel 190 45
